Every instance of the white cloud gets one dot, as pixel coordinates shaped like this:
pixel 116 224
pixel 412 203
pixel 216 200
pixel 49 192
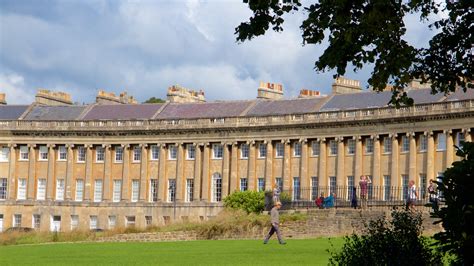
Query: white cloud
pixel 13 85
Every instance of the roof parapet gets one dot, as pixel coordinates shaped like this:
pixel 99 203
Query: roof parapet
pixel 48 97
pixel 344 85
pixel 272 91
pixel 178 94
pixel 104 97
pixel 3 100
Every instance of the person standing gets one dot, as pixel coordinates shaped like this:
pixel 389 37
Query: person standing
pixel 433 194
pixel 275 220
pixel 412 195
pixel 363 184
pixel 354 198
pixel 276 194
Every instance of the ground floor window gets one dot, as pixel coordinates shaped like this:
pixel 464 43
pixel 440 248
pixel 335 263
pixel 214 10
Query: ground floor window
pixel 261 184
pixel 130 221
pixel 154 190
pixel 216 187
pixel 36 221
pixel 189 190
pixel 74 222
pixel 148 220
pixel 93 223
pixel 296 188
pixel 112 221
pixel 55 223
pixel 17 220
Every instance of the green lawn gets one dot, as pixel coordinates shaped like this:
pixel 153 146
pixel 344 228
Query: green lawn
pixel 211 252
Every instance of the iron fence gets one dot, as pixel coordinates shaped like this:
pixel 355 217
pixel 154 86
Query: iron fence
pixel 346 196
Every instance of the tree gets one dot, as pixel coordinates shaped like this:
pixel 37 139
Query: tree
pixel 457 216
pixel 154 100
pixel 398 242
pixel 371 31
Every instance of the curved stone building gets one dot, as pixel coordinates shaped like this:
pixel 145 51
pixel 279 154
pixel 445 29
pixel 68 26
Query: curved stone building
pixel 113 164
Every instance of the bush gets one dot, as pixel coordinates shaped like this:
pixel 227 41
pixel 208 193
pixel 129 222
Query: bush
pixel 248 201
pixel 457 216
pixel 398 242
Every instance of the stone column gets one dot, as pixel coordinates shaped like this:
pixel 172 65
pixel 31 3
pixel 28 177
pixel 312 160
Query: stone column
pixel 251 168
pixel 50 192
pixel 449 148
pixel 107 195
pixel 376 178
pixel 31 172
pixel 180 180
pixel 269 165
pixel 394 178
pixel 467 134
pixel 225 170
pixel 305 179
pixel 162 186
pixel 69 171
pixel 197 172
pixel 125 172
pixel 143 172
pixel 358 159
pixel 11 172
pixel 205 173
pixel 234 166
pixel 322 178
pixel 340 177
pixel 412 157
pixel 430 156
pixel 287 165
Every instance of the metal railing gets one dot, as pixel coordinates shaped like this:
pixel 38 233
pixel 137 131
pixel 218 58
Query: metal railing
pixel 375 196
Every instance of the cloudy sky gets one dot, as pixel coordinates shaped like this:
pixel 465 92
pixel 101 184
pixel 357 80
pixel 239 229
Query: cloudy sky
pixel 142 47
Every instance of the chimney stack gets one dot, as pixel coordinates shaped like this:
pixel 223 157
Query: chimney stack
pixel 48 97
pixel 304 93
pixel 271 91
pixel 178 94
pixel 343 85
pixel 104 97
pixel 3 100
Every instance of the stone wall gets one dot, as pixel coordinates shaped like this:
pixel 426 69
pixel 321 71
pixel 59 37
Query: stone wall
pixel 320 223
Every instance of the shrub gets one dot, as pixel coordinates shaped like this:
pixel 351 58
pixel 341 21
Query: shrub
pixel 398 242
pixel 457 216
pixel 248 201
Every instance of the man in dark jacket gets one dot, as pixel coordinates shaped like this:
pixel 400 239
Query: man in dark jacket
pixel 275 220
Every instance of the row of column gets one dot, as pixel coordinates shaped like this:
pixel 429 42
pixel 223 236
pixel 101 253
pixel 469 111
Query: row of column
pixel 203 173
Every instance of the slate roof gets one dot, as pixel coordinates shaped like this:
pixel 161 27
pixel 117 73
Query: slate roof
pixel 12 112
pixel 54 113
pixel 460 95
pixel 294 106
pixel 122 111
pixel 204 110
pixel 357 101
pixel 421 96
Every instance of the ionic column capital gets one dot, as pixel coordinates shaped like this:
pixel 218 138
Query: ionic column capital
pixel 69 145
pixel 375 136
pixel 410 134
pixel 321 139
pixel 448 131
pixel 51 146
pixel 393 135
pixel 12 145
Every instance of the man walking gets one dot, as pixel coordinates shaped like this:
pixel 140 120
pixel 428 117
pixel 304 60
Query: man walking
pixel 275 220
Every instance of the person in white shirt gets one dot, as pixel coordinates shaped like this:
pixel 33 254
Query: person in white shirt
pixel 412 195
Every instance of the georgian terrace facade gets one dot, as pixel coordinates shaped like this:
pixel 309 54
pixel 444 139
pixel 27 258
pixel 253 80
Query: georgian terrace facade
pixel 106 166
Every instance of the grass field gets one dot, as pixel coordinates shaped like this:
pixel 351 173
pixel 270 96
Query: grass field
pixel 210 252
